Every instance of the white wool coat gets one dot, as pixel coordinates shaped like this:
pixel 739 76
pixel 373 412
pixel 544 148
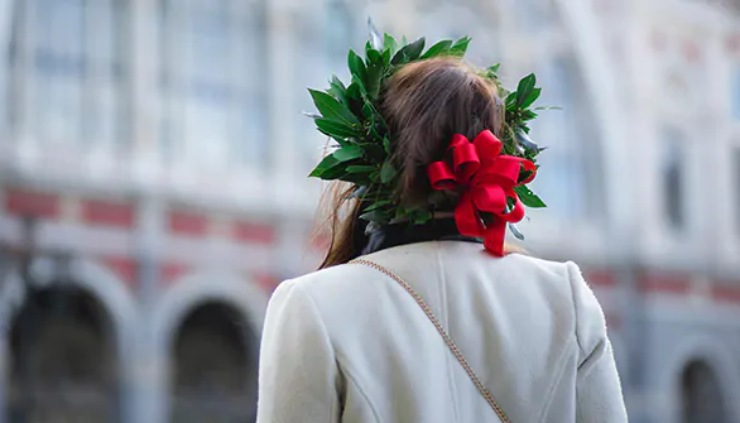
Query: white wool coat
pixel 349 344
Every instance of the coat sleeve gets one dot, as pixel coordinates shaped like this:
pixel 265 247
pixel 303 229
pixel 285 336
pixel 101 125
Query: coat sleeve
pixel 298 376
pixel 598 389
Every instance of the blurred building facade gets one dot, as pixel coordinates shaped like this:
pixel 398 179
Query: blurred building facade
pixel 153 191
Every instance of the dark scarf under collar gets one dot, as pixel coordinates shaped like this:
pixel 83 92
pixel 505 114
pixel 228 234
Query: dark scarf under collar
pixel 403 233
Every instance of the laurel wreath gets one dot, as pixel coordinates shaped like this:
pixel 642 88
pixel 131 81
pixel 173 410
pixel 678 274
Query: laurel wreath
pixel 361 154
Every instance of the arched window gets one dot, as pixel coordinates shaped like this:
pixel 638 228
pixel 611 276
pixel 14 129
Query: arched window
pixel 63 363
pixel 735 91
pixel 736 183
pixel 214 367
pixel 701 395
pixel 67 67
pixel 214 82
pixel 673 178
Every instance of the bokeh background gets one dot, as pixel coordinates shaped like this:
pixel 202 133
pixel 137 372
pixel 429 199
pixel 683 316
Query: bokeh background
pixel 153 189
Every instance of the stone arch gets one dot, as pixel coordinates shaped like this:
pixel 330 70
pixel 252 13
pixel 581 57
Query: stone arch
pixel 196 288
pixel 712 352
pixel 187 295
pixel 86 278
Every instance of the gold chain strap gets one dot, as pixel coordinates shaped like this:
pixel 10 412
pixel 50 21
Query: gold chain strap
pixel 448 340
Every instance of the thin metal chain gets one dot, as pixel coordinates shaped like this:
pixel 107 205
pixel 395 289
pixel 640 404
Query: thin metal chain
pixel 448 340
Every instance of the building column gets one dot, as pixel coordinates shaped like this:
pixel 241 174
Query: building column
pixel 280 15
pixel 4 371
pixel 148 381
pixel 6 14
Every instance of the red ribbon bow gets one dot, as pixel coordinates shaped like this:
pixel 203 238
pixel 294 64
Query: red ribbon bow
pixel 485 178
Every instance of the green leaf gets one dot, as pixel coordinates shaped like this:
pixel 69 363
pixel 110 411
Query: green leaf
pixel 373 216
pixel 361 169
pixel 548 108
pixel 529 198
pixel 374 57
pixel 528 115
pixel 335 129
pixel 387 172
pixel 356 65
pixel 492 71
pixel 387 145
pixel 325 164
pixel 438 49
pixel 531 98
pixel 460 47
pixel 386 56
pixel 377 205
pixel 524 89
pixel 368 111
pixel 360 85
pixel 347 153
pixel 337 89
pixel 354 92
pixel 390 44
pixel 374 151
pixel 409 52
pixel 336 172
pixel 332 109
pixel 373 77
pixel 523 175
pixel 421 217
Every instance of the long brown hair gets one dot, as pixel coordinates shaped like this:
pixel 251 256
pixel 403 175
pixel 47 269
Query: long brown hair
pixel 424 103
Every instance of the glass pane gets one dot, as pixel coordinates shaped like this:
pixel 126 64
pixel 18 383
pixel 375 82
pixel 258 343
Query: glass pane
pixel 249 141
pixel 736 187
pixel 736 92
pixel 13 88
pixel 314 34
pixel 673 179
pixel 207 129
pixel 105 122
pixel 209 94
pixel 59 64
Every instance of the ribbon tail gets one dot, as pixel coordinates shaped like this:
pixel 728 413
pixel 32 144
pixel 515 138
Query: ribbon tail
pixel 494 239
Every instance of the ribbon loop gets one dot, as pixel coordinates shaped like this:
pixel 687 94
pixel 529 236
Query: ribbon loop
pixel 488 179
